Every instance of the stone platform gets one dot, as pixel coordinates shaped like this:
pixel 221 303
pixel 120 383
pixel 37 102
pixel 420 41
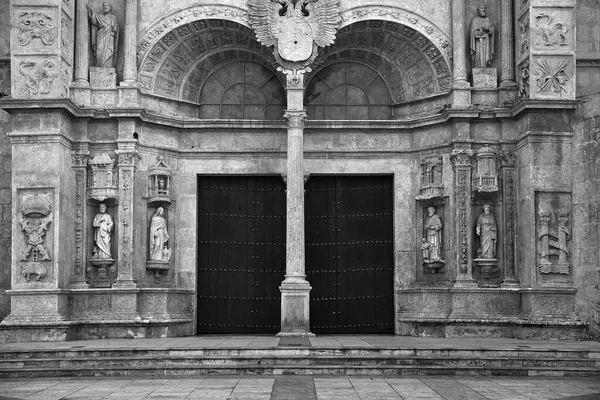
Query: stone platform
pixel 321 355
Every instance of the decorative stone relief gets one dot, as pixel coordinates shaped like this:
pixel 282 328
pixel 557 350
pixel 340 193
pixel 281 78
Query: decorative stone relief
pixel 551 75
pixel 485 178
pixel 159 182
pixel 508 157
pixel 461 159
pixel 431 178
pixel 482 39
pixel 39 75
pixel 79 163
pixel 553 232
pixel 550 30
pixel 295 29
pixel 524 80
pixel 102 180
pixel 66 37
pixel 524 36
pixel 34 220
pixel 35 25
pixel 4 79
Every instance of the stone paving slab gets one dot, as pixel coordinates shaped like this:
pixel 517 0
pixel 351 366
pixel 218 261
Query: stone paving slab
pixel 303 388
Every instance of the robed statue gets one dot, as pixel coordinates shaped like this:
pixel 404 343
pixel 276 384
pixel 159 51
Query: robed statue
pixel 105 36
pixel 103 226
pixel 158 235
pixel 482 39
pixel 433 232
pixel 296 28
pixel 487 230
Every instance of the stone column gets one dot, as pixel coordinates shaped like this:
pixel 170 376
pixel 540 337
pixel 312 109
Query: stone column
pixel 127 163
pixel 461 93
pixel 295 290
pixel 130 44
pixel 79 161
pixel 82 45
pixel 461 164
pixel 507 68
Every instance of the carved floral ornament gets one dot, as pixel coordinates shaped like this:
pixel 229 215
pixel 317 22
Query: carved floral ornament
pixel 35 25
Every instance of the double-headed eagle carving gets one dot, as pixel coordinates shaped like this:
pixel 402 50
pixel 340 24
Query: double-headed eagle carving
pixel 296 28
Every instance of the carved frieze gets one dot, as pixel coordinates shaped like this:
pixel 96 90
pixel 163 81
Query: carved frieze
pixel 36 25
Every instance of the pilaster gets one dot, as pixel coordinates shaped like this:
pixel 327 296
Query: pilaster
pixel 461 164
pixel 509 188
pixel 79 161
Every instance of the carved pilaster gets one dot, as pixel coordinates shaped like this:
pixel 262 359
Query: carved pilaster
pixel 79 161
pixel 508 157
pixel 461 164
pixel 127 164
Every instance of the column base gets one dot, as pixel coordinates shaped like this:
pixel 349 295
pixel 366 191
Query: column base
pixel 124 284
pixel 465 283
pixel 510 283
pixel 461 96
pixel 79 285
pixel 295 303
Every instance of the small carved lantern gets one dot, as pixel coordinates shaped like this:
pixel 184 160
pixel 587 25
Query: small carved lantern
pixel 102 182
pixel 486 177
pixel 159 182
pixel 431 178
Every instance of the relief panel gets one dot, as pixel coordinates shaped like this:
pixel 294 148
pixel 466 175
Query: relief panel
pixel 552 77
pixel 552 29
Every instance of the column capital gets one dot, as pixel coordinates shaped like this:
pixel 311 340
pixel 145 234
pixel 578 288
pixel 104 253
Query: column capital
pixel 461 157
pixel 80 158
pixel 296 119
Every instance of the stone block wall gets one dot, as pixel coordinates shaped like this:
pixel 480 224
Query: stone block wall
pixel 5 213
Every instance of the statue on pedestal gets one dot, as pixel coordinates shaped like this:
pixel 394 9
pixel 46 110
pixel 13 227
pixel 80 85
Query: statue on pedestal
pixel 105 36
pixel 433 228
pixel 103 226
pixel 482 39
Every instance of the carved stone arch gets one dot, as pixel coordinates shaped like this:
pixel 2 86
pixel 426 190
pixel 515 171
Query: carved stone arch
pixel 404 17
pixel 170 23
pixel 410 64
pixel 177 64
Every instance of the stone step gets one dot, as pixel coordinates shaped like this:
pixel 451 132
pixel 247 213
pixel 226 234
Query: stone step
pixel 296 360
pixel 299 370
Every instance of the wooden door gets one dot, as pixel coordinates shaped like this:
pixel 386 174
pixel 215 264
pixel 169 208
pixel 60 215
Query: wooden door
pixel 349 253
pixel 241 254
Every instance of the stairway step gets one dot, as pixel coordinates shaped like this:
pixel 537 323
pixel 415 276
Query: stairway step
pixel 305 370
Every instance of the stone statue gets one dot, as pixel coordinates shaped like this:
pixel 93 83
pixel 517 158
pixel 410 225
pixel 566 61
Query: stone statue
pixel 105 36
pixel 103 226
pixel 158 236
pixel 487 231
pixel 433 228
pixel 482 39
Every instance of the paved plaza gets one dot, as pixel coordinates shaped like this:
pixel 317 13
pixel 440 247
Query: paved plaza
pixel 302 388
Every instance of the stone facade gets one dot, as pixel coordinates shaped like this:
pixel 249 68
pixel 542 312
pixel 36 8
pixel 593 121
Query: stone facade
pixel 196 90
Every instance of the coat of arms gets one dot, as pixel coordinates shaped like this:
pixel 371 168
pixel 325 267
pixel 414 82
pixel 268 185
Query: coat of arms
pixel 296 28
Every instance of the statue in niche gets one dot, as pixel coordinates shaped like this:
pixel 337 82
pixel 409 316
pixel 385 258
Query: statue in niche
pixel 433 229
pixel 103 226
pixel 482 39
pixel 487 230
pixel 105 36
pixel 159 236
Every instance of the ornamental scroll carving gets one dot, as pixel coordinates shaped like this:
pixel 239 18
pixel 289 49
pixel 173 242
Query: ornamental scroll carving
pixel 461 159
pixel 35 25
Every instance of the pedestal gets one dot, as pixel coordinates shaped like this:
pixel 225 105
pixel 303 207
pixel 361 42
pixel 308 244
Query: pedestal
pixel 489 269
pixel 295 303
pixel 103 78
pixel 486 78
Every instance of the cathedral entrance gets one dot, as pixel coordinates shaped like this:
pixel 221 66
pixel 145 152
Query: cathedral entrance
pixel 241 253
pixel 349 253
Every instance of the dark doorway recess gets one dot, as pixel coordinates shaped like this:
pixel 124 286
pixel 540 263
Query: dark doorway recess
pixel 349 253
pixel 241 253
